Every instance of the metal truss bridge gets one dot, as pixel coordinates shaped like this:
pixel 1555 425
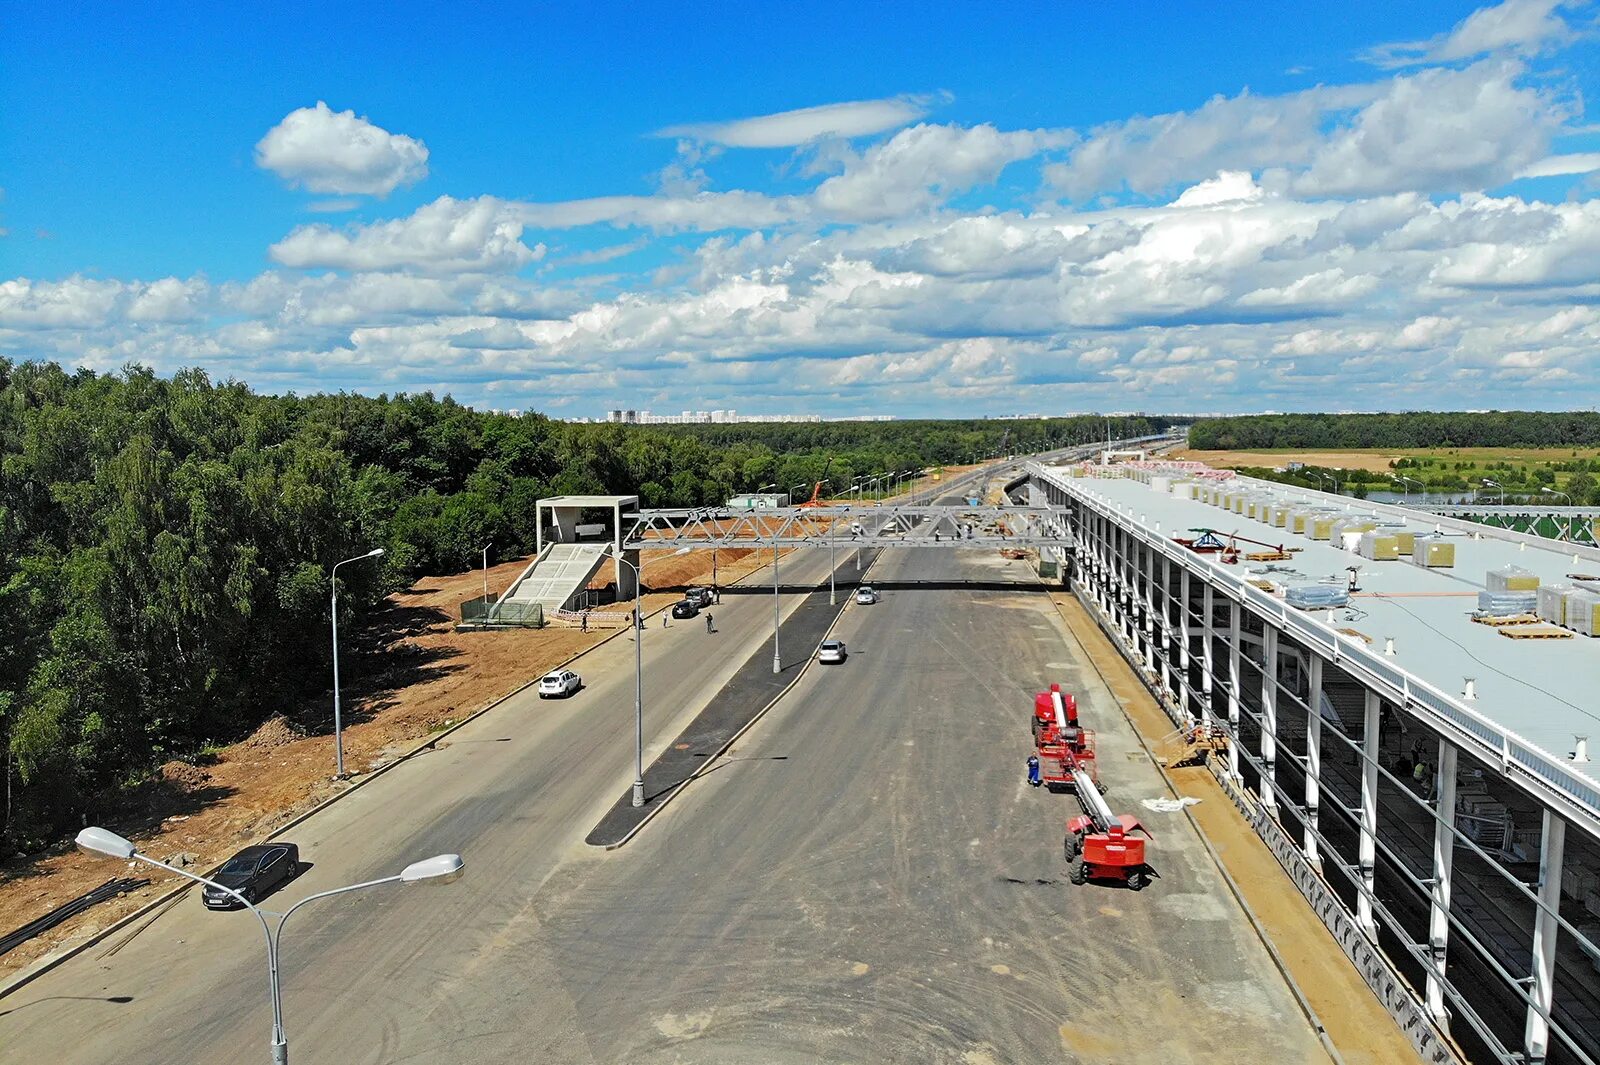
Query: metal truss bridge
pixel 887 525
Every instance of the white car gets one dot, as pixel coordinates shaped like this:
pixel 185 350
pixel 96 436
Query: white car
pixel 562 682
pixel 866 596
pixel 831 653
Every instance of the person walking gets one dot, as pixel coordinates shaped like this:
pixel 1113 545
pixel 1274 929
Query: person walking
pixel 716 596
pixel 709 626
pixel 664 614
pixel 585 621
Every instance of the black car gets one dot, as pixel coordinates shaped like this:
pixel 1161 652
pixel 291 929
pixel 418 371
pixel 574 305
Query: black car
pixel 685 608
pixel 700 596
pixel 254 872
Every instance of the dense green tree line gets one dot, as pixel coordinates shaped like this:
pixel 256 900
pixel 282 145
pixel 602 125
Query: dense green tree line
pixel 1416 429
pixel 165 544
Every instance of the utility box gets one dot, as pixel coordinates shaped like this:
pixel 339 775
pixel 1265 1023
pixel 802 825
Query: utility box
pixel 1434 554
pixel 1380 547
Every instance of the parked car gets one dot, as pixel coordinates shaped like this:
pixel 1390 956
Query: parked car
pixel 255 873
pixel 866 595
pixel 685 608
pixel 831 653
pixel 562 682
pixel 702 597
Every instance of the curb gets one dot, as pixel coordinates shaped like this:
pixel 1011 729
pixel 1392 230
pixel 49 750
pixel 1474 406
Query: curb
pixel 49 962
pixel 1216 859
pixel 705 766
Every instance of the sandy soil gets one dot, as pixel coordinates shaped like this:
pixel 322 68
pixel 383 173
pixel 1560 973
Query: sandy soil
pixel 1360 1028
pixel 406 673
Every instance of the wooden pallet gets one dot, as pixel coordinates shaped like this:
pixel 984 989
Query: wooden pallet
pixel 1268 556
pixel 1357 633
pixel 1535 632
pixel 1500 621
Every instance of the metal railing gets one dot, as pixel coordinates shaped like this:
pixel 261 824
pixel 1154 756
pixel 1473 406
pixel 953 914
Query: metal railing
pixel 487 612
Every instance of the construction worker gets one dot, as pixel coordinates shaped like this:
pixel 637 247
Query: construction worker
pixel 1033 770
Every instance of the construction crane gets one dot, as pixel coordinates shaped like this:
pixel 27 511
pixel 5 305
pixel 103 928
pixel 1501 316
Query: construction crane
pixel 1210 542
pixel 816 490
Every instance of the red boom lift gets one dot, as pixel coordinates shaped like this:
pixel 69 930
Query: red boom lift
pixel 1065 748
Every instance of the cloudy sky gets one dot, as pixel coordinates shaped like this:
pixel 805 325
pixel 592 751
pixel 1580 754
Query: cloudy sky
pixel 918 210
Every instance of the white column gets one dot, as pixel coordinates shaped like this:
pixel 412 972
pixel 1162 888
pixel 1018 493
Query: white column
pixel 1368 857
pixel 1208 652
pixel 1444 843
pixel 1234 673
pixel 1314 761
pixel 1185 696
pixel 1147 578
pixel 1551 848
pixel 1125 588
pixel 1269 717
pixel 1169 665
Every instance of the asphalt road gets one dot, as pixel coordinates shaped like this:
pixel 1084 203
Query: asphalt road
pixel 364 974
pixel 866 878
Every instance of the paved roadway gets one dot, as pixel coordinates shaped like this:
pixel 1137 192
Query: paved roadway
pixel 514 792
pixel 865 878
pixel 868 879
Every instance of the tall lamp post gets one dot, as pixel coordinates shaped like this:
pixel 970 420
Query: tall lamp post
pixel 441 869
pixel 1406 482
pixel 1547 490
pixel 1497 485
pixel 486 572
pixel 338 733
pixel 796 495
pixel 777 660
pixel 638 679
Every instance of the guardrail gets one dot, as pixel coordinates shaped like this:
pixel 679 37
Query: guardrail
pixel 1574 795
pixel 523 615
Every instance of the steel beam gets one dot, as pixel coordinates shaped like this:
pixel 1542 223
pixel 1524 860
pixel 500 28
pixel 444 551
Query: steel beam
pixel 1552 845
pixel 1313 760
pixel 1444 844
pixel 1269 719
pixel 1235 673
pixel 1185 637
pixel 1367 859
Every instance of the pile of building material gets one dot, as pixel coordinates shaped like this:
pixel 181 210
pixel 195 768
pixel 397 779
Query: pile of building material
pixel 1433 553
pixel 1379 546
pixel 1317 596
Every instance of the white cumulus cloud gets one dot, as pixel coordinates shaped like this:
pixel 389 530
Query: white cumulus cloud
pixel 338 152
pixel 788 129
pixel 445 236
pixel 1524 27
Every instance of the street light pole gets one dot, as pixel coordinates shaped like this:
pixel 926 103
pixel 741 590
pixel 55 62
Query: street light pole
pixel 1496 484
pixel 638 679
pixel 444 868
pixel 486 572
pixel 777 660
pixel 338 733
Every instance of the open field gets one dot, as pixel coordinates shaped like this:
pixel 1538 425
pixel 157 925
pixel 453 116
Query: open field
pixel 1378 459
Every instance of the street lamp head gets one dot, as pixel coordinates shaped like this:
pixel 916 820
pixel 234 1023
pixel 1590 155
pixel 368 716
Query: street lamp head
pixel 104 841
pixel 375 552
pixel 440 869
pixel 683 550
pixel 1491 484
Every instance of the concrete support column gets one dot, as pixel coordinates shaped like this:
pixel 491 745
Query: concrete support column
pixel 1552 847
pixel 1185 637
pixel 1368 855
pixel 1313 761
pixel 1208 652
pixel 1269 718
pixel 1444 844
pixel 1169 653
pixel 627 585
pixel 1234 675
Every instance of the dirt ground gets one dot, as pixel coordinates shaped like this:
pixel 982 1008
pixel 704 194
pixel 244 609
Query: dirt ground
pixel 406 673
pixel 1359 1027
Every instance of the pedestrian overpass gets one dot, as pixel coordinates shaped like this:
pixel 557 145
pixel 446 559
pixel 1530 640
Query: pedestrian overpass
pixel 949 526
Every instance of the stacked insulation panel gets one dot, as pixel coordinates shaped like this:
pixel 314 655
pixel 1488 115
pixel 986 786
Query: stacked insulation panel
pixel 1379 546
pixel 1280 514
pixel 1510 578
pixel 1583 611
pixel 1433 554
pixel 1316 596
pixel 1319 526
pixel 1505 604
pixel 1552 604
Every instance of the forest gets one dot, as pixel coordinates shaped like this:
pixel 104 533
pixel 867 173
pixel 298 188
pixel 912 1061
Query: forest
pixel 165 543
pixel 1415 429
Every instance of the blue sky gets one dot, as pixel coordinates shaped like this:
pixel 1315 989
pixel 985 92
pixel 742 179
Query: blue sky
pixel 907 209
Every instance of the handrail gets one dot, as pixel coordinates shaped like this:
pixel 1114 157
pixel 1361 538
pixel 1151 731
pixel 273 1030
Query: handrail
pixel 1491 741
